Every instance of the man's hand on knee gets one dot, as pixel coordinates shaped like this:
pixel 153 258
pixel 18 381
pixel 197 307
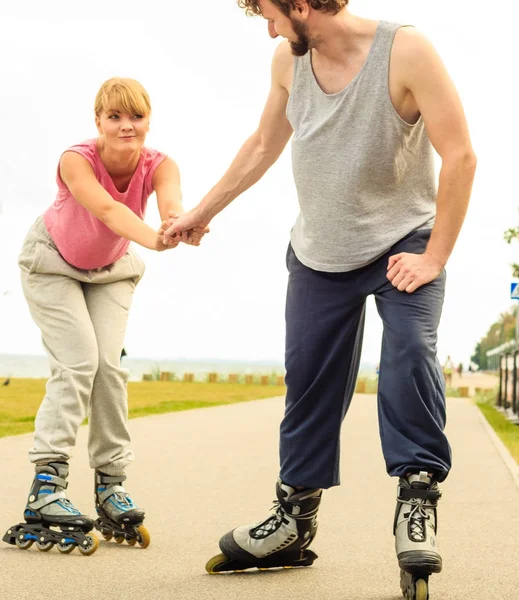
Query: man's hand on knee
pixel 407 272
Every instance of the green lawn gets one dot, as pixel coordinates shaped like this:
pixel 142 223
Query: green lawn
pixel 20 400
pixel 508 432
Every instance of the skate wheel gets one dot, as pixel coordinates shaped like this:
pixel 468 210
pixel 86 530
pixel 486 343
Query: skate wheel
pixel 107 536
pixel 421 590
pixel 414 587
pixel 118 539
pixel 213 563
pixel 23 544
pixel 44 546
pixel 143 536
pixel 91 547
pixel 66 548
pixel 131 541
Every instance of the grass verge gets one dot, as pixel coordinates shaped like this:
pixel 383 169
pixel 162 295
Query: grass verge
pixel 20 400
pixel 507 432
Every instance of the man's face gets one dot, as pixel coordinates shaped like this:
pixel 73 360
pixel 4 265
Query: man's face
pixel 295 31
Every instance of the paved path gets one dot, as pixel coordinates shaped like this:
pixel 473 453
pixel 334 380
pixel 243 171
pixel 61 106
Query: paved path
pixel 201 472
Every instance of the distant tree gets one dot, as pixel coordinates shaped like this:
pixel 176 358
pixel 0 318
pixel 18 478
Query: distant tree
pixel 503 330
pixel 511 235
pixel 477 357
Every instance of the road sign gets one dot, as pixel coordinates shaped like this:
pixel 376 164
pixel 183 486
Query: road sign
pixel 514 291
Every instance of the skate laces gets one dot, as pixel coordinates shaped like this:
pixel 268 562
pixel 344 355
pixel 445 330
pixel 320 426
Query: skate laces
pixel 124 500
pixel 271 524
pixel 277 518
pixel 119 498
pixel 67 505
pixel 417 518
pixel 278 512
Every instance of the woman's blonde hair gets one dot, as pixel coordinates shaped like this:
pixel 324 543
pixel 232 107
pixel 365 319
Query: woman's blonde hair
pixel 123 94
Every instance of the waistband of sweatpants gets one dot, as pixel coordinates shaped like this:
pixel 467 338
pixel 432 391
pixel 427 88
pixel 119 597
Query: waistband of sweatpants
pixel 40 228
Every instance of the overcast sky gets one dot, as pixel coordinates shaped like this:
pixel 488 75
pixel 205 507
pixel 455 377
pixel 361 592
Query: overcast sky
pixel 207 69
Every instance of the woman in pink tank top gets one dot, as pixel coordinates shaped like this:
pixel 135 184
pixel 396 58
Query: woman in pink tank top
pixel 78 275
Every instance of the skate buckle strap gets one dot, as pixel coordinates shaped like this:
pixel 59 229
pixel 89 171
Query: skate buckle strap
pixel 110 491
pixel 49 479
pixel 293 505
pixel 102 478
pixel 418 494
pixel 47 499
pixel 294 510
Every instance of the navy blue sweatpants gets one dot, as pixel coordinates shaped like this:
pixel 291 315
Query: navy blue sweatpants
pixel 324 329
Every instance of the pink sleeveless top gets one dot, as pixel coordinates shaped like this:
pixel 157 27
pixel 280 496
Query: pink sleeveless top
pixel 81 238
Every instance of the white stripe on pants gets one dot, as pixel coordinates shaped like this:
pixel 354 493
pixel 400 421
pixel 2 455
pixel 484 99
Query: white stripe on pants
pixel 82 316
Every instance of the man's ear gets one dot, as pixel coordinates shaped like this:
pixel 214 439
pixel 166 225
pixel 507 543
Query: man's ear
pixel 302 7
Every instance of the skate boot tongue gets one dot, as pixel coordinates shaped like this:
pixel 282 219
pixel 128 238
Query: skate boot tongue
pixel 420 481
pixel 285 490
pixel 297 502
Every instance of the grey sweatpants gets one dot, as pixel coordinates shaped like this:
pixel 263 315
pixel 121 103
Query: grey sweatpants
pixel 82 316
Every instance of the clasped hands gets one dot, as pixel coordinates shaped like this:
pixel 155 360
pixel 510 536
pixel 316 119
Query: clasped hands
pixel 169 236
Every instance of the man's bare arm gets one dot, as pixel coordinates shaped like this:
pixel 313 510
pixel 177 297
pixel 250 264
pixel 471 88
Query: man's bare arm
pixel 438 102
pixel 446 125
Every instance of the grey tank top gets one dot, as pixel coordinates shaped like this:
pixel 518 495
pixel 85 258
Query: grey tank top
pixel 364 177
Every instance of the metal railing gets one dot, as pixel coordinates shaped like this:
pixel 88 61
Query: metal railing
pixel 508 394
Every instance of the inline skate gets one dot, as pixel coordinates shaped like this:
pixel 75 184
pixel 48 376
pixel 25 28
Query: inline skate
pixel 50 518
pixel 415 529
pixel 118 516
pixel 280 540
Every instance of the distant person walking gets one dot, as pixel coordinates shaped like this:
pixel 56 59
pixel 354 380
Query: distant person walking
pixel 448 370
pixel 78 275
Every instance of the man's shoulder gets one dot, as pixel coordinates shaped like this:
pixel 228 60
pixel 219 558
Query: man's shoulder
pixel 410 44
pixel 283 64
pixel 413 55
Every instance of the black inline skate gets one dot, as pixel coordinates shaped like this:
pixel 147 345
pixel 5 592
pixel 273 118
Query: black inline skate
pixel 280 540
pixel 415 534
pixel 50 518
pixel 119 517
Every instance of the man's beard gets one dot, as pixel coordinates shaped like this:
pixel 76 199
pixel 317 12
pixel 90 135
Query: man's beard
pixel 302 45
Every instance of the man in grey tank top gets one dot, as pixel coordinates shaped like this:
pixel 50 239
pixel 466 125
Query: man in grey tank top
pixel 365 103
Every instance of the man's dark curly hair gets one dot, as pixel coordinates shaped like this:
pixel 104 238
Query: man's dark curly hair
pixel 332 6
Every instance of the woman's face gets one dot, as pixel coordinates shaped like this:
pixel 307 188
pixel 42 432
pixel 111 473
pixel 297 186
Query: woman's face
pixel 123 132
